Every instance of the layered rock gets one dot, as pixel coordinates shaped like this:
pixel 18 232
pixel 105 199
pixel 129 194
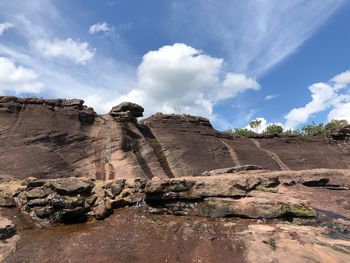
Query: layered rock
pixel 52 138
pixel 61 138
pixel 126 111
pixel 247 194
pixel 75 199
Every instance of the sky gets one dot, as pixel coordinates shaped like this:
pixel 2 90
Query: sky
pixel 232 61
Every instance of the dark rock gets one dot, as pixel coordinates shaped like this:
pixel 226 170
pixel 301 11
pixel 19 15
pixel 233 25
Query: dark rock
pixel 7 228
pixel 73 103
pixel 126 111
pixel 44 212
pixel 37 202
pixel 71 185
pixel 77 214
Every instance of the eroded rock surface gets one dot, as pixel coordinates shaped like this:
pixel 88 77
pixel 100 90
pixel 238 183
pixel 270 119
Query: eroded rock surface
pixel 70 139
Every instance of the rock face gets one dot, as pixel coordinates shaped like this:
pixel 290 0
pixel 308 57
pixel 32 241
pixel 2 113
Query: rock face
pixel 62 138
pixel 53 138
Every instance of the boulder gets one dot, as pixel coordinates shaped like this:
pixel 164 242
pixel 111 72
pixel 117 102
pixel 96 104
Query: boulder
pixel 71 185
pixel 73 103
pixel 7 229
pixel 126 111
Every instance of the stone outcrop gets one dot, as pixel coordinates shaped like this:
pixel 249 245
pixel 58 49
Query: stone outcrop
pixel 247 194
pixel 342 134
pixel 70 139
pixel 71 199
pixel 126 111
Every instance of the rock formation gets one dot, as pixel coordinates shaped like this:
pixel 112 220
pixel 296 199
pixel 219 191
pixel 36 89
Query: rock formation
pixel 166 186
pixel 51 138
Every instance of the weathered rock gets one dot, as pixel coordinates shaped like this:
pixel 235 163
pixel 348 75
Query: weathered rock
pixel 126 111
pixel 290 243
pixel 76 214
pixel 8 192
pixel 71 185
pixel 7 228
pixel 36 193
pixel 262 205
pixel 102 209
pixel 234 169
pixel 74 103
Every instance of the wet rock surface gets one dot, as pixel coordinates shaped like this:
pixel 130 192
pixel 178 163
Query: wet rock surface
pixel 131 235
pixel 190 219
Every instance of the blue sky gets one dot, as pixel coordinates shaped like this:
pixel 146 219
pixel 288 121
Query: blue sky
pixel 231 61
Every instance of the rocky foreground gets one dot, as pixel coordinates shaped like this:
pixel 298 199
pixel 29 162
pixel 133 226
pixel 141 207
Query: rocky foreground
pixel 242 216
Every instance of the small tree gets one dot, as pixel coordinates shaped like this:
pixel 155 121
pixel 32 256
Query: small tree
pixel 312 129
pixel 255 125
pixel 273 129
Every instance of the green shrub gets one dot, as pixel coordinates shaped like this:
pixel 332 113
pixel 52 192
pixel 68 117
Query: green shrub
pixel 312 130
pixel 242 132
pixel 273 129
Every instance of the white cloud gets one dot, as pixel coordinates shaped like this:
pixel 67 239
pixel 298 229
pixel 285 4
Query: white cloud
pixel 270 97
pixel 179 77
pixel 17 78
pixel 4 27
pixel 76 51
pixel 236 83
pixel 340 112
pixel 323 96
pixel 100 27
pixel 341 80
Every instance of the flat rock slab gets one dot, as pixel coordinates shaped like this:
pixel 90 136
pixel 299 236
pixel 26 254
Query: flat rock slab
pixel 235 169
pixel 260 205
pixel 71 185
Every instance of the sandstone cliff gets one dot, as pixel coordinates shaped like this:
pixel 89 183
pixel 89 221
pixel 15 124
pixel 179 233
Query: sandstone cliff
pixel 60 138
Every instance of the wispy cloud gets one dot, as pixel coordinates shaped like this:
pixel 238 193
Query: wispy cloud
pixel 74 50
pixel 100 27
pixel 270 97
pixel 4 27
pixel 254 35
